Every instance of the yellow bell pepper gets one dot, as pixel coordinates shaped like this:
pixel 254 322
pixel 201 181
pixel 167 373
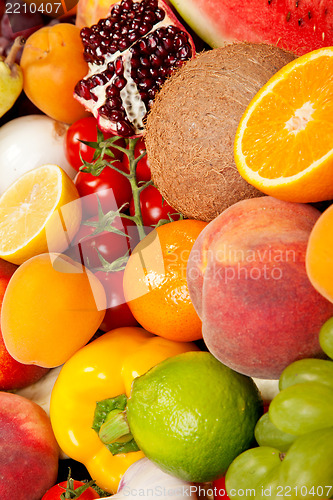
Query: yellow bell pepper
pixel 103 369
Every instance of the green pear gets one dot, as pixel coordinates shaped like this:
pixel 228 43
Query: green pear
pixel 11 78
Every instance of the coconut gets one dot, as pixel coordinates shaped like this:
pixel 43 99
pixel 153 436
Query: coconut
pixel 191 127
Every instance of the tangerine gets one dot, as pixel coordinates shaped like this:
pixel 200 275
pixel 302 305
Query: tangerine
pixel 155 285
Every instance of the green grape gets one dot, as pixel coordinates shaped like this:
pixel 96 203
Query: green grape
pixel 306 471
pixel 326 337
pixel 307 370
pixel 249 469
pixel 302 408
pixel 267 434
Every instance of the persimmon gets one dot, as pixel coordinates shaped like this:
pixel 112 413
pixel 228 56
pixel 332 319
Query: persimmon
pixel 52 63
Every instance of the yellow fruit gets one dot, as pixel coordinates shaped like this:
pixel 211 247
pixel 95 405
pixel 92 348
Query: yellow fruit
pixel 284 142
pixel 11 78
pixel 40 212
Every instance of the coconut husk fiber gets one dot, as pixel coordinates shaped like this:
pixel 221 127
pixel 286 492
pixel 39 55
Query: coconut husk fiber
pixel 191 127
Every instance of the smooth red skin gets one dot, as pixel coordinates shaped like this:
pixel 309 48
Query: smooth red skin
pixel 84 129
pixel 118 313
pixel 258 326
pixel 29 452
pixel 14 375
pixel 113 189
pixel 219 489
pixel 84 247
pixel 153 207
pixel 56 491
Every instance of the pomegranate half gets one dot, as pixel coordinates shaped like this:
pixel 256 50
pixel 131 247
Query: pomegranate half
pixel 130 55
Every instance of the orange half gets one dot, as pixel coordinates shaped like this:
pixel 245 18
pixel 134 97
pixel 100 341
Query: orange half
pixel 284 141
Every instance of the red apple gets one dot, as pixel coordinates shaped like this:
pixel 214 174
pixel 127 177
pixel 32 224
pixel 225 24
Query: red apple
pixel 29 452
pixel 14 375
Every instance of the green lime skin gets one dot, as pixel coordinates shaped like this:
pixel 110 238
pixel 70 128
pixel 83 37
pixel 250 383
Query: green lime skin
pixel 267 434
pixel 306 470
pixel 191 415
pixel 326 338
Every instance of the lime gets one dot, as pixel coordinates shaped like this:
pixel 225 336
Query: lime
pixel 191 415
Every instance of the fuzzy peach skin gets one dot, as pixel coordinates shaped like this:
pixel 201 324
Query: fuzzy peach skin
pixel 29 452
pixel 247 281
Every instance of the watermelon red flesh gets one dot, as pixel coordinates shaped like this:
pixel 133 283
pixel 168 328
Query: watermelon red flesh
pixel 296 25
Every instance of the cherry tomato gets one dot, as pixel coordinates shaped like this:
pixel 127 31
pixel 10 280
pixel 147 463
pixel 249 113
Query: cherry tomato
pixel 219 489
pixel 86 246
pixel 153 207
pixel 56 491
pixel 113 189
pixel 142 168
pixel 85 129
pixel 118 313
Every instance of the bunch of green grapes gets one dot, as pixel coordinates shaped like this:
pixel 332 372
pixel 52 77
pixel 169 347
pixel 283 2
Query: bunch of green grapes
pixel 295 454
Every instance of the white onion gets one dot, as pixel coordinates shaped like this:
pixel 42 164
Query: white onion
pixel 28 142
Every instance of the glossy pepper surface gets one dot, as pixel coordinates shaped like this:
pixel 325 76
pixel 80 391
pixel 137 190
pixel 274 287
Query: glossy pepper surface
pixel 103 369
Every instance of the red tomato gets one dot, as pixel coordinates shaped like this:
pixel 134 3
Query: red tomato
pixel 86 245
pixel 153 207
pixel 113 190
pixel 219 489
pixel 56 491
pixel 84 130
pixel 142 168
pixel 118 313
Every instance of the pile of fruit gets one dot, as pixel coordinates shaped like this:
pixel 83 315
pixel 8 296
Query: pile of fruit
pixel 166 262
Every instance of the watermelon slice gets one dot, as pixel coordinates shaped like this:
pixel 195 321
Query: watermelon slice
pixel 296 25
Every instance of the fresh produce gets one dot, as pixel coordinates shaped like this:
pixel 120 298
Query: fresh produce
pixel 130 55
pixel 144 476
pixel 155 285
pixel 29 451
pixel 304 471
pixel 52 62
pixel 104 368
pixel 28 142
pixel 109 187
pixel 267 434
pixel 51 308
pixel 283 144
pixel 247 281
pixel 299 26
pixel 190 415
pixel 118 313
pixel 153 207
pixel 319 254
pixel 198 111
pixel 77 135
pixel 89 12
pixel 13 375
pixel 73 489
pixel 142 171
pixel 11 79
pixel 326 337
pixel 40 212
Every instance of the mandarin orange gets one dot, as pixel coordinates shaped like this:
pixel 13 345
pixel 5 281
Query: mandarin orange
pixel 155 285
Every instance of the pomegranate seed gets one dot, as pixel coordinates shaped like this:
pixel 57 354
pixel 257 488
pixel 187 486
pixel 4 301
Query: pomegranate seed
pixel 119 67
pixel 114 102
pixel 120 82
pixel 144 61
pixel 185 52
pixel 155 61
pixel 116 115
pixel 112 91
pixel 124 129
pixel 143 72
pixel 82 89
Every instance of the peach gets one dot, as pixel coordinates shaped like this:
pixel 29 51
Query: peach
pixel 29 452
pixel 247 281
pixel 14 375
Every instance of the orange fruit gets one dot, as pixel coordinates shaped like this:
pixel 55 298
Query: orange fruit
pixel 39 212
pixel 319 255
pixel 52 63
pixel 284 142
pixel 51 308
pixel 155 284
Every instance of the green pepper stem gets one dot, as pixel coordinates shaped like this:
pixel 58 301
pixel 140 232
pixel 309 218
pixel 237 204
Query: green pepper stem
pixel 115 428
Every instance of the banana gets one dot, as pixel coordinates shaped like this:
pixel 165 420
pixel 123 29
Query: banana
pixel 11 78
